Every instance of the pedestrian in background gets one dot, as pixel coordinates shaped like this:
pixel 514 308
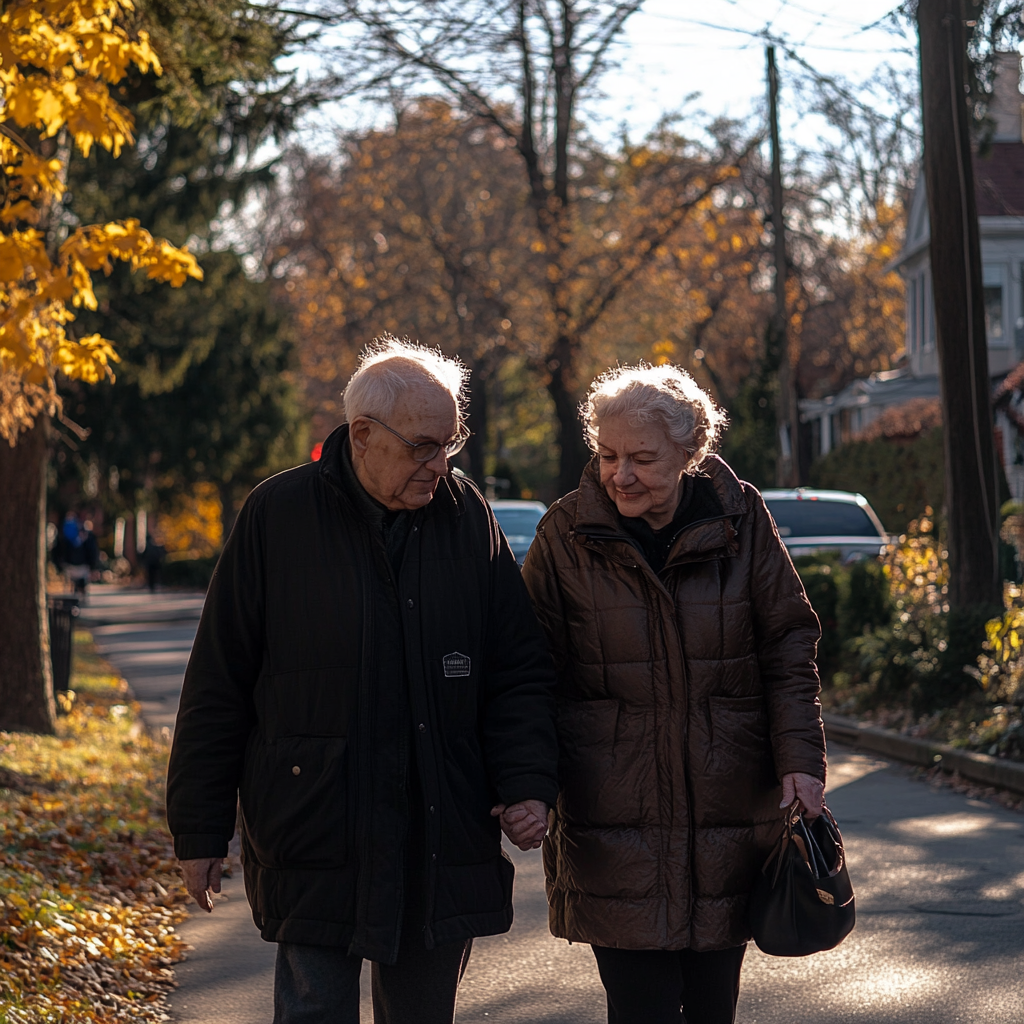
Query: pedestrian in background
pixel 152 559
pixel 370 679
pixel 76 552
pixel 684 648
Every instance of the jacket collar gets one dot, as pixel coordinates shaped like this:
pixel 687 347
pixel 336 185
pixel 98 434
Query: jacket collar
pixel 597 518
pixel 447 498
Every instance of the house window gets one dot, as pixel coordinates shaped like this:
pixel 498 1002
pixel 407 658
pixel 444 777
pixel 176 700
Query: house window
pixel 994 291
pixel 912 315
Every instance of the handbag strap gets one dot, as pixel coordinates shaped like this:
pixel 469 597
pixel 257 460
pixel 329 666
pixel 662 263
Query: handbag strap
pixel 792 814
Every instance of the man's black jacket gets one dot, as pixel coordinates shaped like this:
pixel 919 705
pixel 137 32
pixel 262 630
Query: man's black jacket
pixel 279 707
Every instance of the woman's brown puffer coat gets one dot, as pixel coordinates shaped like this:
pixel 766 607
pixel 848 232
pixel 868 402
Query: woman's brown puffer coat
pixel 684 698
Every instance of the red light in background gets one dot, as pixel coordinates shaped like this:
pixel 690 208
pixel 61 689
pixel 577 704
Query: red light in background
pixel 317 449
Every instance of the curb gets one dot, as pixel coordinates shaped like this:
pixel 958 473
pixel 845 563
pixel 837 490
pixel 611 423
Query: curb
pixel 981 768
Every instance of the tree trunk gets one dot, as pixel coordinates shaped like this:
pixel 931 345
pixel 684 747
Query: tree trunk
pixel 971 505
pixel 574 453
pixel 228 511
pixel 26 677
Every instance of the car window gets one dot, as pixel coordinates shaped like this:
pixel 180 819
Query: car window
pixel 518 522
pixel 819 518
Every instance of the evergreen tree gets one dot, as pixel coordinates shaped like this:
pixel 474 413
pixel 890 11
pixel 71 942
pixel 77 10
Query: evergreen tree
pixel 203 390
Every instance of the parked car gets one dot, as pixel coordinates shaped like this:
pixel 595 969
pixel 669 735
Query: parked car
pixel 518 521
pixel 810 521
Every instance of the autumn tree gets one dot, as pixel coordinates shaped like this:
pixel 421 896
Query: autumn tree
pixel 427 227
pixel 58 63
pixel 524 68
pixel 420 228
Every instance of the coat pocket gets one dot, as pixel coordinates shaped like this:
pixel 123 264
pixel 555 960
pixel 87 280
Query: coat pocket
pixel 606 763
pixel 294 801
pixel 739 734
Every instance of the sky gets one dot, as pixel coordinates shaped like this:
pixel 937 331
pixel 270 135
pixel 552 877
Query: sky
pixel 678 47
pixel 672 49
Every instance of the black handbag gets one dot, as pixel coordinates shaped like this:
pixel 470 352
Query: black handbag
pixel 802 901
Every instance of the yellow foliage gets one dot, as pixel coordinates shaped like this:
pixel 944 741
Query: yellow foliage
pixel 58 60
pixel 192 528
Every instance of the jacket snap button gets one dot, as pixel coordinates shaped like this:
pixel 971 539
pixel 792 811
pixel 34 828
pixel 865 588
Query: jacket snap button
pixel 296 770
pixel 410 603
pixel 423 728
pixel 431 808
pixel 433 856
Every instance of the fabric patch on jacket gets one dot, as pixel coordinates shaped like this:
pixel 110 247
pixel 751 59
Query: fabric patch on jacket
pixel 456 665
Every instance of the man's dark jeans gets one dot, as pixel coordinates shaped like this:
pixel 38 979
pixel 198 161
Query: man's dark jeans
pixel 320 985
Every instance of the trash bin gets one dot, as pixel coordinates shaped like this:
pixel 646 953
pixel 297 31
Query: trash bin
pixel 62 610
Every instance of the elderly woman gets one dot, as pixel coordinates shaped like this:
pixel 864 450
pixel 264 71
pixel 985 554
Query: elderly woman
pixel 684 646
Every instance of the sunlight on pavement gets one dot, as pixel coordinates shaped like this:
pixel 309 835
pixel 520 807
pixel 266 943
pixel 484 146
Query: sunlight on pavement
pixel 845 768
pixel 948 825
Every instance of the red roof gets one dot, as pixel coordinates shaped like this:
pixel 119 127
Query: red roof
pixel 999 180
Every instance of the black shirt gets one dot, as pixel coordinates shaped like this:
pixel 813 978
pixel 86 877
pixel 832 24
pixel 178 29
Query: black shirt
pixel 698 503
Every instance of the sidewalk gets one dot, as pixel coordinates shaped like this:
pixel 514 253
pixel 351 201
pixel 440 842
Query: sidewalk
pixel 147 638
pixel 939 938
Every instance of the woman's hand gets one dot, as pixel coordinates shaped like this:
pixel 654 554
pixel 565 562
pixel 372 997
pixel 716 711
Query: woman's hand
pixel 805 788
pixel 524 823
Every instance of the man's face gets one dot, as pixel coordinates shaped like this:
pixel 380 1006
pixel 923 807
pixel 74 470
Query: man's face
pixel 385 464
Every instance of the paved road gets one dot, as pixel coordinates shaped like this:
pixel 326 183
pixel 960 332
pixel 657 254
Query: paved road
pixel 147 638
pixel 939 878
pixel 940 884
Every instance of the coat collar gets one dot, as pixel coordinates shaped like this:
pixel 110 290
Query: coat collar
pixel 448 498
pixel 597 518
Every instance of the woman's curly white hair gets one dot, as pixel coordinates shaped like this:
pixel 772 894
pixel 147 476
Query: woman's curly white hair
pixel 665 394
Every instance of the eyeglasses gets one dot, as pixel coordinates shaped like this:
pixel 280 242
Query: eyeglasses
pixel 424 451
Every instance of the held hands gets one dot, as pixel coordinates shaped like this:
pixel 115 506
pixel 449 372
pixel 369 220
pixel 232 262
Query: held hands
pixel 805 788
pixel 525 823
pixel 201 876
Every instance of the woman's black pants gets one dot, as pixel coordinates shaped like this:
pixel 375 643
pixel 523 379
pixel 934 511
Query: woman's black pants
pixel 668 986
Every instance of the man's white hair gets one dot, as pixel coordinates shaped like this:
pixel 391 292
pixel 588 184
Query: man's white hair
pixel 664 394
pixel 391 366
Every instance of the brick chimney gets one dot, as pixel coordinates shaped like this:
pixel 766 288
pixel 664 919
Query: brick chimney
pixel 1006 107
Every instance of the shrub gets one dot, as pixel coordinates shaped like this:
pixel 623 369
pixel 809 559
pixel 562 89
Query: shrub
pixel 865 602
pixel 923 656
pixel 917 661
pixel 849 600
pixel 819 580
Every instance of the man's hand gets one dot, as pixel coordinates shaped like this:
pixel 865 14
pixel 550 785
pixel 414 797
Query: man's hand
pixel 805 788
pixel 525 823
pixel 201 876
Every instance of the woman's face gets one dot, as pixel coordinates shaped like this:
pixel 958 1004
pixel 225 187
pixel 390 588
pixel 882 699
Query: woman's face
pixel 641 469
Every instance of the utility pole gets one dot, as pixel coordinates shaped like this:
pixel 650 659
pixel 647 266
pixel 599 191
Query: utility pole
pixel 787 418
pixel 955 254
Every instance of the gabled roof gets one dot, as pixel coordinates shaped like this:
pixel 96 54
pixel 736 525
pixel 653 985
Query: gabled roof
pixel 999 180
pixel 998 192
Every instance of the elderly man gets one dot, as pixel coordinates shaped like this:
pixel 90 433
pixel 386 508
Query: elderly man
pixel 369 679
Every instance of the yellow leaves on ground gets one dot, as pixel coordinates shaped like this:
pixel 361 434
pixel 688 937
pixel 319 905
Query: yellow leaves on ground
pixel 58 59
pixel 89 895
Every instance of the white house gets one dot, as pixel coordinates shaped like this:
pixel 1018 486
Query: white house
pixel 999 192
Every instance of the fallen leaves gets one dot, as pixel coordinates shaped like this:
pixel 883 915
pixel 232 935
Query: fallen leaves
pixel 89 891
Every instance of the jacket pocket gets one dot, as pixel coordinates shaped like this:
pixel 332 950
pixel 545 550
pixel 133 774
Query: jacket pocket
pixel 294 800
pixel 739 734
pixel 606 766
